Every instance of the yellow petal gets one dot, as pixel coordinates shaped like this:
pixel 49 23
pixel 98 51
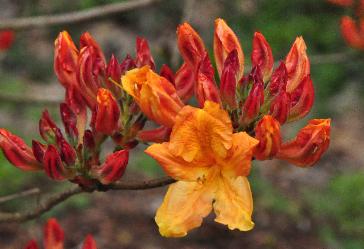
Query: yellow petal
pixel 238 162
pixel 197 134
pixel 183 208
pixel 234 203
pixel 175 166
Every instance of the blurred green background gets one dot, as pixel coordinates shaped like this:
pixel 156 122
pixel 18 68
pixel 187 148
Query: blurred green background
pixel 321 207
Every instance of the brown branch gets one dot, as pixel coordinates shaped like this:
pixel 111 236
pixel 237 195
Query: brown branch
pixel 58 198
pixel 73 17
pixel 25 193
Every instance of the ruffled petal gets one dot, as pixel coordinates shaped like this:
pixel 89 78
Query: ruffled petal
pixel 234 203
pixel 183 208
pixel 201 132
pixel 238 162
pixel 175 166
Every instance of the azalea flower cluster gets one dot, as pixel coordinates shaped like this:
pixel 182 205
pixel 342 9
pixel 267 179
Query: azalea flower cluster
pixel 352 29
pixel 54 238
pixel 207 149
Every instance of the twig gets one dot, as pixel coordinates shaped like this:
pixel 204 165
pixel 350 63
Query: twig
pixel 73 17
pixel 25 193
pixel 58 198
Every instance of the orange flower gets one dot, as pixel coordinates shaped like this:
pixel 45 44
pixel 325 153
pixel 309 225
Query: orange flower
pixel 155 95
pixel 211 165
pixel 309 145
pixel 345 3
pixel 268 132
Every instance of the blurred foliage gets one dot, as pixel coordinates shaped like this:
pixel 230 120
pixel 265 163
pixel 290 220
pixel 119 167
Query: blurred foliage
pixel 339 211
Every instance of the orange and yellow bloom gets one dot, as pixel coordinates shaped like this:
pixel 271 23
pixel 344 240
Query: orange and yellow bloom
pixel 211 165
pixel 155 95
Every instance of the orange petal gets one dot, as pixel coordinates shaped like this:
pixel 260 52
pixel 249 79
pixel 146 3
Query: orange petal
pixel 175 166
pixel 225 41
pixel 238 163
pixel 201 133
pixel 297 64
pixel 234 203
pixel 183 208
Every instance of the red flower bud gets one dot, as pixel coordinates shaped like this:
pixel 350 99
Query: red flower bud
pixel 297 64
pixel 6 39
pixel 302 99
pixel 206 88
pixel 107 112
pixel 352 32
pixel 114 167
pixel 86 40
pixel 143 54
pixel 89 140
pixel 53 164
pixel 158 135
pixel 113 71
pixel 190 45
pixel 53 235
pixel 127 64
pixel 229 79
pixel 89 243
pixel 278 81
pixel 167 73
pixel 69 120
pixel 38 150
pixel 65 60
pixel 280 106
pixel 268 132
pixel 309 145
pixel 17 152
pixel 68 153
pixel 77 104
pixel 91 74
pixel 184 82
pixel 32 245
pixel 47 127
pixel 225 41
pixel 255 98
pixel 262 55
